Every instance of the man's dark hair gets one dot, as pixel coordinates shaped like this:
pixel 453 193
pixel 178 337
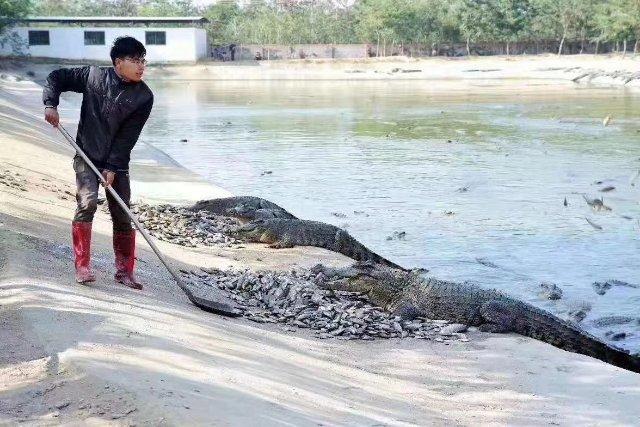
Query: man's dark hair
pixel 127 46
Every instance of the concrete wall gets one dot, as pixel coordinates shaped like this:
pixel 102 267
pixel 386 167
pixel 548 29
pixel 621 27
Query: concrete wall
pixel 183 44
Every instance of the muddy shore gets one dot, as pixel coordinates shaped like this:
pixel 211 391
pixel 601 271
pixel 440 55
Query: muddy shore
pixel 105 354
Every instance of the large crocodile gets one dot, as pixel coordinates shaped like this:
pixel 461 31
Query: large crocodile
pixel 410 295
pixel 287 233
pixel 244 207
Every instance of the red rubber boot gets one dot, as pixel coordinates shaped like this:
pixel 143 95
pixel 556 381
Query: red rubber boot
pixel 81 236
pixel 124 247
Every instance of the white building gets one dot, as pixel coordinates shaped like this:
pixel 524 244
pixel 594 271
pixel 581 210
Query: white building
pixel 90 38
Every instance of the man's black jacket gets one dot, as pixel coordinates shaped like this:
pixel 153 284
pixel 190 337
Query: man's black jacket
pixel 113 112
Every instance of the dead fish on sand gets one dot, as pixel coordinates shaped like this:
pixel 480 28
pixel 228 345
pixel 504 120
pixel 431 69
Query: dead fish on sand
pixel 607 189
pixel 606 121
pixel 596 204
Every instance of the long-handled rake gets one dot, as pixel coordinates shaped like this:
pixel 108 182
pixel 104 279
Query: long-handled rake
pixel 204 304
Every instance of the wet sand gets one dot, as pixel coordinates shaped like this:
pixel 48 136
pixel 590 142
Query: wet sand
pixel 105 354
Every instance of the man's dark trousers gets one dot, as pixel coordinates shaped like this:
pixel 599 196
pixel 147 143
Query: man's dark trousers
pixel 87 184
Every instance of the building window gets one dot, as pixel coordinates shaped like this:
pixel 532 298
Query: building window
pixel 93 38
pixel 38 38
pixel 156 37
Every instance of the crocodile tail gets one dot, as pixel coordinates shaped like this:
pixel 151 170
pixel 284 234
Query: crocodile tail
pixel 349 246
pixel 559 333
pixel 381 260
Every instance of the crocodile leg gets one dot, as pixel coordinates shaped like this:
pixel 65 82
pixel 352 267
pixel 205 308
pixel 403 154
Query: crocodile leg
pixel 282 244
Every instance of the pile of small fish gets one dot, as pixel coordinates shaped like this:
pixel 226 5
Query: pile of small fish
pixel 294 299
pixel 13 180
pixel 183 227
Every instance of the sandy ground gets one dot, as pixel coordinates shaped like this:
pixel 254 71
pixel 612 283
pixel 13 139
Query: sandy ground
pixel 105 354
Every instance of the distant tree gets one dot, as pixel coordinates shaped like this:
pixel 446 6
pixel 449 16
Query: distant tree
pixel 476 20
pixel 324 22
pixel 563 19
pixel 86 7
pixel 55 8
pixel 619 21
pixel 505 21
pixel 383 22
pixel 9 10
pixel 223 17
pixel 116 7
pixel 289 22
pixel 167 8
pixel 513 19
pixel 371 20
pixel 404 21
pixel 433 21
pixel 12 9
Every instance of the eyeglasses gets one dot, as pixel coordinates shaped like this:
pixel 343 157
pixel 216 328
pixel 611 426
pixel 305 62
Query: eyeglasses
pixel 137 61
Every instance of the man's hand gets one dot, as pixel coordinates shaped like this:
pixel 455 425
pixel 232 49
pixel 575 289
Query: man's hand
pixel 51 116
pixel 108 176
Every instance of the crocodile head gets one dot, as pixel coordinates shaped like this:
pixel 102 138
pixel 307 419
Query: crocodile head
pixel 240 211
pixel 199 205
pixel 255 231
pixel 247 231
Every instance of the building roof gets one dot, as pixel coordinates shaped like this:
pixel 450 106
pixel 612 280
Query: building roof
pixel 115 19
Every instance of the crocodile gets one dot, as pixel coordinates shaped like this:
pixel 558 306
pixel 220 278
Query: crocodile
pixel 287 233
pixel 409 295
pixel 248 208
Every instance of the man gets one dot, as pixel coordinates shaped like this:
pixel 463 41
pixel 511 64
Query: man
pixel 115 106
